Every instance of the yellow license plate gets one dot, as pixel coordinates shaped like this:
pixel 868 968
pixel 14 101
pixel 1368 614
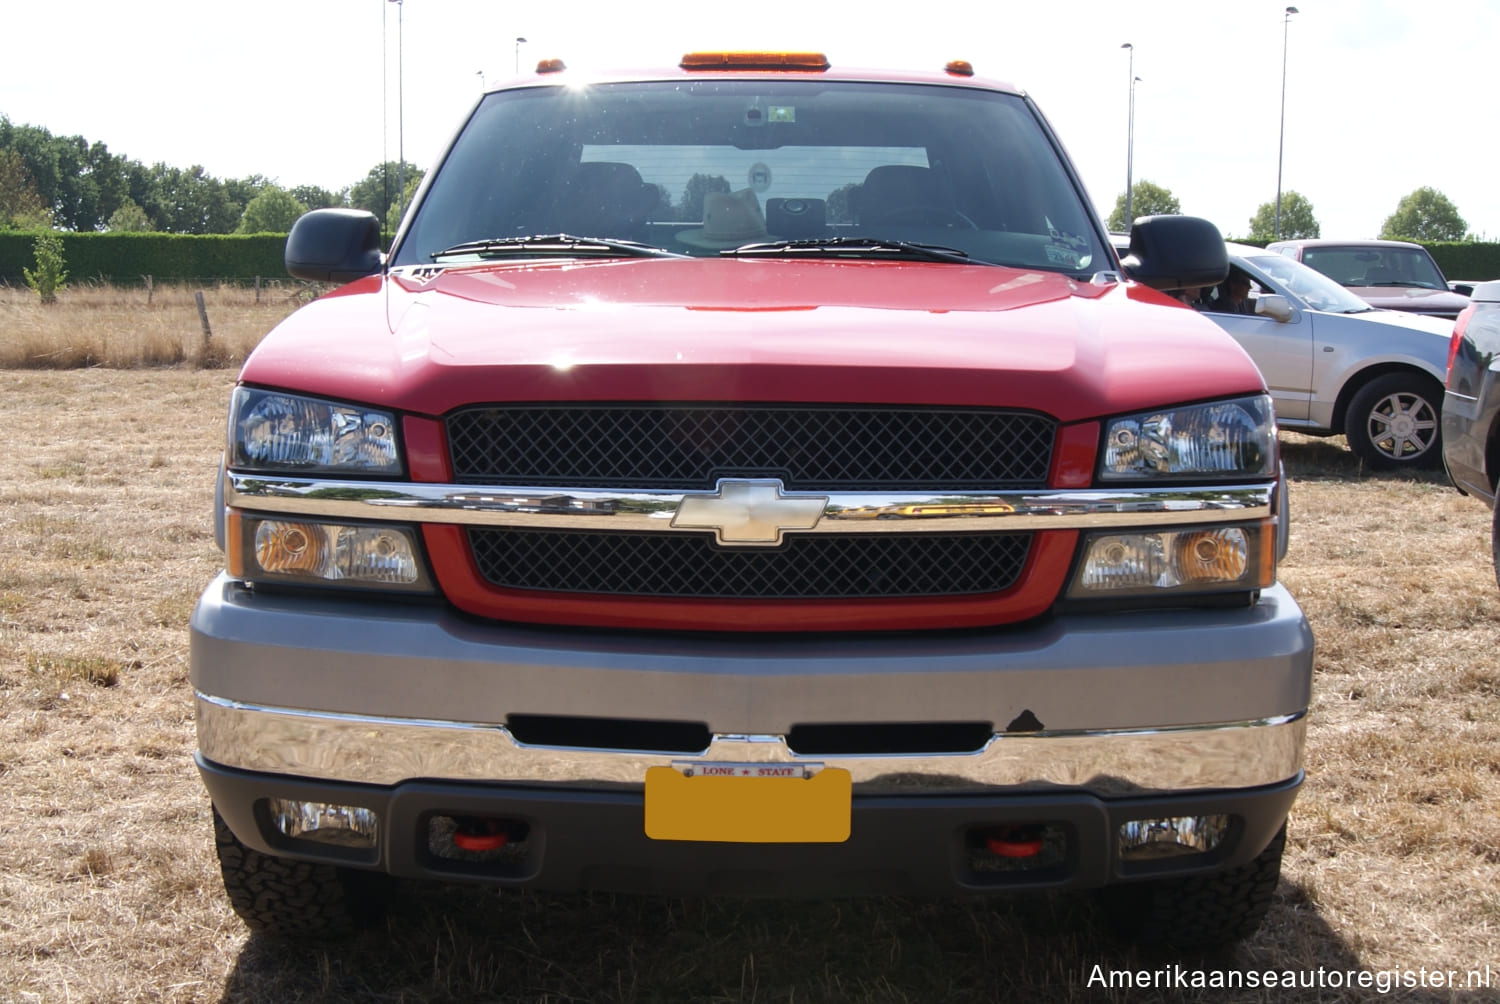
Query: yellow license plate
pixel 748 803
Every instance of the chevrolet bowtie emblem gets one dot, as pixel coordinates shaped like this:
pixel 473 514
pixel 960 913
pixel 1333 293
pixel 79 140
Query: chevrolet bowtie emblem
pixel 749 512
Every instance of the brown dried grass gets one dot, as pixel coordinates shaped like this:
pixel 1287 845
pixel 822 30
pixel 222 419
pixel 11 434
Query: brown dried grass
pixel 98 325
pixel 109 890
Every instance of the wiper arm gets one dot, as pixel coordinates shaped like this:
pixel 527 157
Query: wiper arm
pixel 850 247
pixel 556 244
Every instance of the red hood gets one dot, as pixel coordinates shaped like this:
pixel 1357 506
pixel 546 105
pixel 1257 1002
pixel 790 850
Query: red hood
pixel 824 331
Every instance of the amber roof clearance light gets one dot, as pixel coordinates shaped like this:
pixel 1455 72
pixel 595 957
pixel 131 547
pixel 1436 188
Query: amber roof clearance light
pixel 754 61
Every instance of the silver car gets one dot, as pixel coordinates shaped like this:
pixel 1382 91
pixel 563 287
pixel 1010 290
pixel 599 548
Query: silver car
pixel 1333 363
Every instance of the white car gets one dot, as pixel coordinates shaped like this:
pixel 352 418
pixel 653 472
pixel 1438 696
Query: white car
pixel 1333 363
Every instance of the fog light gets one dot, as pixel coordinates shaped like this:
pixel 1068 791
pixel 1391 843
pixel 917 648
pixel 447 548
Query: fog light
pixel 338 825
pixel 1199 560
pixel 362 555
pixel 1173 836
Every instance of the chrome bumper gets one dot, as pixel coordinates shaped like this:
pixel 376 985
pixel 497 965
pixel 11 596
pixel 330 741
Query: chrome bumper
pixel 387 751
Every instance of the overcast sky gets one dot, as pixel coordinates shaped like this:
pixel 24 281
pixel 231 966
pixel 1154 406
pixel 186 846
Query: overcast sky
pixel 1381 97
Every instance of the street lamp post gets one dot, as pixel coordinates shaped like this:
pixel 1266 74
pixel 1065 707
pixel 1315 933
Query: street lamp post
pixel 1281 141
pixel 519 42
pixel 1130 139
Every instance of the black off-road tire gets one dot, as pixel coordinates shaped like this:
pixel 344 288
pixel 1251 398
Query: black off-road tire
pixel 1394 422
pixel 1202 911
pixel 294 899
pixel 1495 541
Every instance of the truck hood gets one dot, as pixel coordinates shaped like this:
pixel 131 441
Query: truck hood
pixel 1417 299
pixel 430 340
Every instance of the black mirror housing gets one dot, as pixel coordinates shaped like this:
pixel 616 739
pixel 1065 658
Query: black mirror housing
pixel 1176 252
pixel 334 245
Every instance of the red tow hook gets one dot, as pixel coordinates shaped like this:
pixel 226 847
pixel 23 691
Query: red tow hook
pixel 1014 842
pixel 480 835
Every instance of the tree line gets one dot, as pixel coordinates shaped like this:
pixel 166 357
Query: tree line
pixel 1423 215
pixel 68 183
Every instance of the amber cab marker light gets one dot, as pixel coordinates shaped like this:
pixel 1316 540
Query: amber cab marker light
pixel 960 68
pixel 754 61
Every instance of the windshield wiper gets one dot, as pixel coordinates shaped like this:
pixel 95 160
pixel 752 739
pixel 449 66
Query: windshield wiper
pixel 850 247
pixel 556 244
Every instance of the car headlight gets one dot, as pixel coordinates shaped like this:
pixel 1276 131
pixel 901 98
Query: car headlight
pixel 272 431
pixel 1222 439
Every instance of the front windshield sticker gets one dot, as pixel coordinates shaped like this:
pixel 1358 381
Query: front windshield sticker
pixel 1067 250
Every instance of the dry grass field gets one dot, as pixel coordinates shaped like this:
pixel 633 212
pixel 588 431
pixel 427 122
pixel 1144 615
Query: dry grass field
pixel 109 890
pixel 132 327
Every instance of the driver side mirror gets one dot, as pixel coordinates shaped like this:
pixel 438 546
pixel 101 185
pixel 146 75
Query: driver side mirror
pixel 334 245
pixel 1274 306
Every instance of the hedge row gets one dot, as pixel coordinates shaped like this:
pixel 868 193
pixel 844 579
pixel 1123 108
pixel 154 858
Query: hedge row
pixel 1460 260
pixel 125 257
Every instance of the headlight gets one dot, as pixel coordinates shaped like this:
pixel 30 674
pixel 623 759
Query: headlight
pixel 265 549
pixel 270 431
pixel 1224 439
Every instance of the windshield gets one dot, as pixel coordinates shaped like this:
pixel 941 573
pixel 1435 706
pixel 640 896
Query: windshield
pixel 701 166
pixel 1319 291
pixel 1376 266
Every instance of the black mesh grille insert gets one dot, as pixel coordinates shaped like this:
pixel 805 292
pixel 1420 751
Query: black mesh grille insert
pixel 692 565
pixel 655 446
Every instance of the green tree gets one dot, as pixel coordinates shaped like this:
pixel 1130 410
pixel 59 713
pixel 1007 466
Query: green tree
pixel 129 218
pixel 272 211
pixel 314 197
pixel 50 276
pixel 1148 199
pixel 1297 220
pixel 381 188
pixel 1424 215
pixel 398 209
pixel 191 201
pixel 699 185
pixel 21 208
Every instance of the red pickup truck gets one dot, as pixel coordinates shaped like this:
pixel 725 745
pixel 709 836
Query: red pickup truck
pixel 544 558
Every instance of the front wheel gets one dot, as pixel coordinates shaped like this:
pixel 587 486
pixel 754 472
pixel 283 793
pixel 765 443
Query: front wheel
pixel 1393 423
pixel 1495 541
pixel 296 899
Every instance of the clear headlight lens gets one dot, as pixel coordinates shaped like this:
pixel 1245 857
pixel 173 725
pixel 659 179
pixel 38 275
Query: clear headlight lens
pixel 271 431
pixel 1201 560
pixel 1227 439
pixel 317 553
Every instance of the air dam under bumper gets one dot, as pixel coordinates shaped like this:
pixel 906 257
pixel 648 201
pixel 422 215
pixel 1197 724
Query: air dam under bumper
pixel 898 845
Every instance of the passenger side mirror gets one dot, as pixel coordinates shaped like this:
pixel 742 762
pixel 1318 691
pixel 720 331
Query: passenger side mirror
pixel 1274 306
pixel 1176 252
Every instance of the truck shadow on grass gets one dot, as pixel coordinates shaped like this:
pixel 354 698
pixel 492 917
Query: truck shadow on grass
pixel 461 943
pixel 1309 458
